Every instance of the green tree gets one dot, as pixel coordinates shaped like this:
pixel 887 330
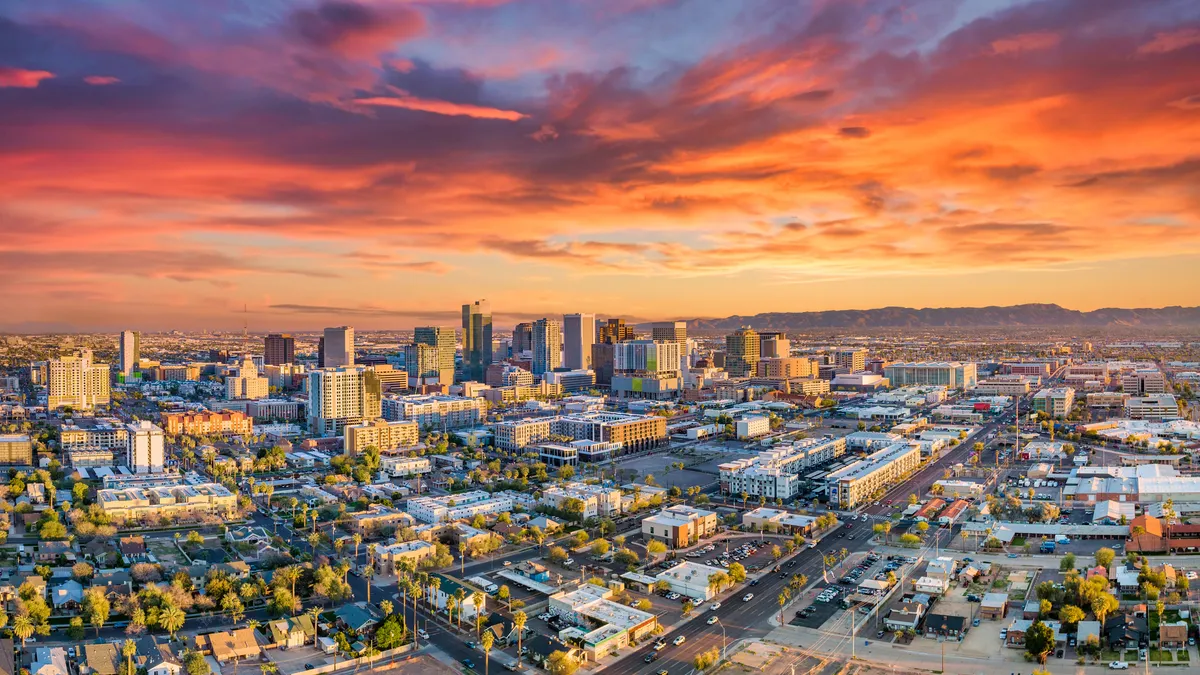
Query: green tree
pixel 1067 562
pixel 23 628
pixel 171 620
pixel 1105 556
pixel 96 608
pixel 557 554
pixel 1039 641
pixel 76 631
pixel 737 572
pixel 1070 614
pixel 561 663
pixel 195 663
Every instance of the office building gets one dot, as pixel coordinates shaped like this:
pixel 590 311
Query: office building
pixel 246 383
pixel 1004 386
pixel 778 473
pixel 75 382
pixel 513 435
pixel 207 423
pixel 783 367
pixel 177 373
pixel 853 359
pixel 93 434
pixel 422 362
pixel 647 369
pixel 436 411
pixel 1055 402
pixel 597 501
pixel 338 397
pixel 390 379
pixel 16 450
pixel 570 381
pixel 679 526
pixel 773 346
pixel 279 349
pixel 603 355
pixel 507 375
pixel 752 426
pixel 442 339
pixel 144 447
pixel 1160 408
pixel 385 436
pixel 854 484
pixel 579 334
pixel 338 345
pixel 477 339
pixel 670 331
pixel 522 340
pixel 130 349
pixel 547 345
pixel 1144 382
pixel 613 331
pixel 610 626
pixel 741 352
pixel 954 375
pixel 631 432
pixel 1039 369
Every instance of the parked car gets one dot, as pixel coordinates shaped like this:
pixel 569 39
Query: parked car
pixel 1118 665
pixel 469 663
pixel 975 623
pixel 715 606
pixel 421 632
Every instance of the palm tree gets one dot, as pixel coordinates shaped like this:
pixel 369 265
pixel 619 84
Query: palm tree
pixel 487 640
pixel 519 620
pixel 745 495
pixel 172 620
pixel 368 572
pixel 23 628
pixel 435 586
pixel 387 607
pixel 128 649
pixel 451 605
pixel 460 594
pixel 478 598
pixel 784 596
pixel 313 539
pixel 357 539
pixel 289 575
pixel 462 557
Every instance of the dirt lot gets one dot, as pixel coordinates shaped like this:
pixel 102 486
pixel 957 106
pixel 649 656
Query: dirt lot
pixel 298 659
pixel 421 664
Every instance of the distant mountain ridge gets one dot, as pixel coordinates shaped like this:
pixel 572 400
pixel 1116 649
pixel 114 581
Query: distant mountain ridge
pixel 957 317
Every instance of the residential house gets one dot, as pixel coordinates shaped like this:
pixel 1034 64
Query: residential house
pixel 49 661
pixel 34 581
pixel 1172 635
pixel 1032 609
pixel 944 624
pixel 49 551
pixel 293 632
pixel 101 659
pixel 449 588
pixel 114 582
pixel 1017 629
pixel 1125 631
pixel 229 646
pixel 358 616
pixel 504 629
pixel 156 659
pixel 906 616
pixel 930 585
pixel 1127 580
pixel 67 596
pixel 941 568
pixel 8 664
pixel 1085 630
pixel 247 535
pixel 993 606
pixel 133 549
pixel 236 569
pixel 545 524
pixel 540 648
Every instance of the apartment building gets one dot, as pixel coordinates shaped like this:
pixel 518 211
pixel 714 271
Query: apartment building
pixel 776 473
pixel 1160 408
pixel 454 507
pixel 784 367
pixel 507 375
pixel 207 423
pixel 398 465
pixel 632 432
pixel 339 397
pixel 436 411
pixel 97 434
pixel 76 382
pixel 854 484
pixel 569 381
pixel 598 501
pixel 123 504
pixel 503 396
pixel 952 374
pixel 184 372
pixel 1055 402
pixel 1107 399
pixel 679 526
pixel 275 409
pixel 389 558
pixel 144 447
pixel 16 450
pixel 384 435
pixel 519 434
pixel 245 382
pixel 853 359
pixel 647 369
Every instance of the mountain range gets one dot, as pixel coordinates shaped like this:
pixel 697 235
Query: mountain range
pixel 1043 315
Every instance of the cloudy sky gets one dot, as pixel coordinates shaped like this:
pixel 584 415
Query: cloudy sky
pixel 380 162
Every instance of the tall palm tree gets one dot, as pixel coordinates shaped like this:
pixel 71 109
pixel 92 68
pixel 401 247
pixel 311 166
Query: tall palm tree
pixel 487 641
pixel 451 605
pixel 462 557
pixel 357 539
pixel 519 620
pixel 23 628
pixel 460 594
pixel 128 649
pixel 478 599
pixel 368 572
pixel 172 619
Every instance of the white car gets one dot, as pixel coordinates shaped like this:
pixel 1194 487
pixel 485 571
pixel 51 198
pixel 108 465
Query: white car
pixel 715 606
pixel 711 620
pixel 1118 665
pixel 422 633
pixel 747 597
pixel 678 641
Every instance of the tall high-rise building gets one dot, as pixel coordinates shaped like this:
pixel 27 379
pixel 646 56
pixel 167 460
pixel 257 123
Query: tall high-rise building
pixel 144 447
pixel 741 352
pixel 423 363
pixel 77 382
pixel 341 396
pixel 131 350
pixel 613 331
pixel 338 344
pixel 579 334
pixel 773 345
pixel 547 345
pixel 669 331
pixel 522 338
pixel 854 359
pixel 279 349
pixel 477 339
pixel 442 339
pixel 246 383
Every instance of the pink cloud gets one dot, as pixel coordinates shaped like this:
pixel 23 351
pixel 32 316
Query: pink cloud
pixel 442 107
pixel 21 78
pixel 101 80
pixel 1026 42
pixel 1169 42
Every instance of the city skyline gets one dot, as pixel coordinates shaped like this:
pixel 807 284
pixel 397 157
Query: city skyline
pixel 378 164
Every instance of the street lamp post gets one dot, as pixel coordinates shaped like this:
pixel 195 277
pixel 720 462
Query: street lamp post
pixel 943 648
pixel 724 642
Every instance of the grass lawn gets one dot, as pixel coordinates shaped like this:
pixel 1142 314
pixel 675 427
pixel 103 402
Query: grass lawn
pixel 1182 655
pixel 1163 655
pixel 1018 541
pixel 1131 655
pixel 1107 655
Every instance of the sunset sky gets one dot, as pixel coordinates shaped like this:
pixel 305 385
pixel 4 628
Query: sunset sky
pixel 380 162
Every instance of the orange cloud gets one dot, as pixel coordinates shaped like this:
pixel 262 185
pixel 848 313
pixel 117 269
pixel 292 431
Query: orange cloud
pixel 101 80
pixel 21 78
pixel 1171 41
pixel 441 107
pixel 1025 42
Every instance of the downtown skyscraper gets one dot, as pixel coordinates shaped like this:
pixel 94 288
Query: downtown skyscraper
pixel 547 345
pixel 443 340
pixel 130 348
pixel 477 339
pixel 337 347
pixel 579 334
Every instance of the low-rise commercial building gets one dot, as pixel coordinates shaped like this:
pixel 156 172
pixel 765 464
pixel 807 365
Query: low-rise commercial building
pixel 679 526
pixel 778 520
pixel 1055 402
pixel 16 450
pixel 631 432
pixel 752 427
pixel 856 483
pixel 690 579
pixel 954 375
pixel 98 434
pixel 607 626
pixel 399 466
pixel 388 558
pixel 1159 408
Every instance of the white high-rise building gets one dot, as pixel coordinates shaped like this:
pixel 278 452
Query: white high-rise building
pixel 130 349
pixel 547 345
pixel 339 347
pixel 77 382
pixel 246 384
pixel 144 447
pixel 338 397
pixel 579 334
